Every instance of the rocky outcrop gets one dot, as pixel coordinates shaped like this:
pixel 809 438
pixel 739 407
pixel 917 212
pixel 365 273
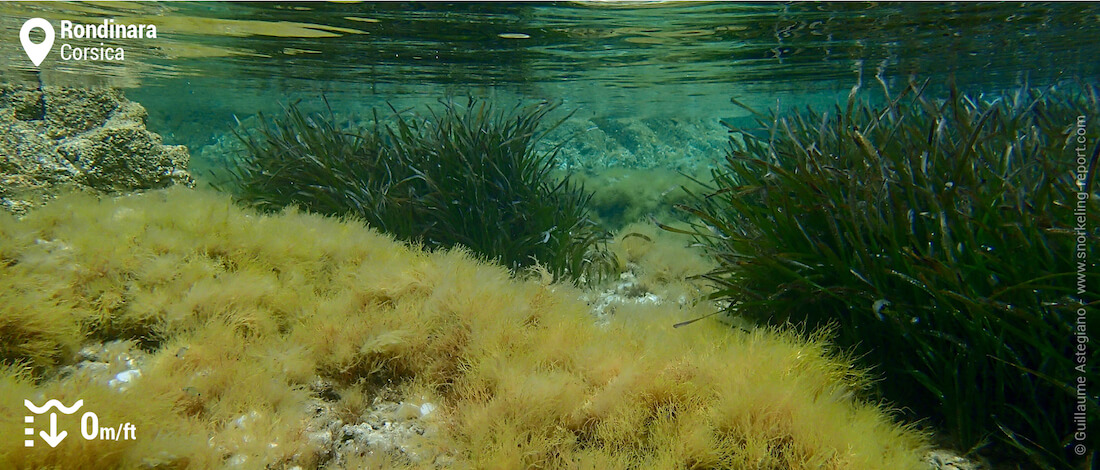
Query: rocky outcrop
pixel 94 138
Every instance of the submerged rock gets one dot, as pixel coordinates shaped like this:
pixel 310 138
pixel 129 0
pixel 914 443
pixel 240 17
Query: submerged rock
pixel 84 137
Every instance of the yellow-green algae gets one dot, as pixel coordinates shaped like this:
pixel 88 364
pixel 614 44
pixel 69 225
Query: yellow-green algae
pixel 242 310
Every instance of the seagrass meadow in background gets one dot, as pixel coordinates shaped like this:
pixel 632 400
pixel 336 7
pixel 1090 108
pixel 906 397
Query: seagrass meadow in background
pixel 462 174
pixel 936 235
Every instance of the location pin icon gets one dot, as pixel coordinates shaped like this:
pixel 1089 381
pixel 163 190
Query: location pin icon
pixel 36 52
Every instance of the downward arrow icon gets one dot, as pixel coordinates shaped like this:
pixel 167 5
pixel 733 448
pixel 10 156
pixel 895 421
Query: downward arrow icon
pixel 53 438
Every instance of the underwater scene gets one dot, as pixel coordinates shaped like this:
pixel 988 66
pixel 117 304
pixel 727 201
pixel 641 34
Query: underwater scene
pixel 578 235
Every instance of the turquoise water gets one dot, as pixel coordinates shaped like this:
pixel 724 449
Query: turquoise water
pixel 647 92
pixel 635 60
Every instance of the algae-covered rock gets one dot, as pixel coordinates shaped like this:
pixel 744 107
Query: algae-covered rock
pixel 122 155
pixel 84 137
pixel 26 105
pixel 70 111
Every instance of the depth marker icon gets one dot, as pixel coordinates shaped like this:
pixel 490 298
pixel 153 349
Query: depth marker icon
pixel 53 438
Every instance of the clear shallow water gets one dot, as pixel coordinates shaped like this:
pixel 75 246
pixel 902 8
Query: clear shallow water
pixel 672 60
pixel 648 82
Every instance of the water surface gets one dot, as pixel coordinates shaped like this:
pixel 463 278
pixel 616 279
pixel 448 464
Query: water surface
pixel 623 60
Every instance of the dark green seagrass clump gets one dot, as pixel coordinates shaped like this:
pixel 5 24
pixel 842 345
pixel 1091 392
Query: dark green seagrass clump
pixel 941 238
pixel 464 174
